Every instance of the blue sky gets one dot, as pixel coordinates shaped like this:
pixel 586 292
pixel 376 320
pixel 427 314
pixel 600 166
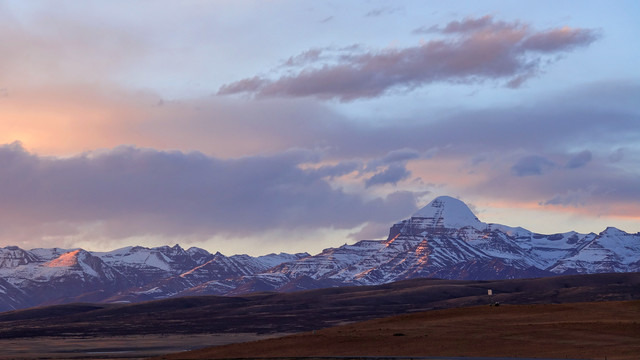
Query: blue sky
pixel 260 126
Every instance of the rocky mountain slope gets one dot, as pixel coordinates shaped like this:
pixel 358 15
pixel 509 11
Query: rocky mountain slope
pixel 443 240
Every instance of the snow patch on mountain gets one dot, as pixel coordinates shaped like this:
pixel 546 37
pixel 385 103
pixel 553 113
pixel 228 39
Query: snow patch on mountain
pixel 443 240
pixel 13 256
pixel 448 212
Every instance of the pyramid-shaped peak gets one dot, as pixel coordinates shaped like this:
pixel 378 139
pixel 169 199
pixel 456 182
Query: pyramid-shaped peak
pixel 610 230
pixel 448 212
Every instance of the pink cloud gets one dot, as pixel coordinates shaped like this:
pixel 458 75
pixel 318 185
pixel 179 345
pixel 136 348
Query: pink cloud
pixel 473 50
pixel 471 25
pixel 561 39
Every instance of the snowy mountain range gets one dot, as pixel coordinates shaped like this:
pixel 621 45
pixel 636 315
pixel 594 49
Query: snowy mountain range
pixel 444 239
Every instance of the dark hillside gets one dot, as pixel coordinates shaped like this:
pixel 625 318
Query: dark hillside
pixel 306 310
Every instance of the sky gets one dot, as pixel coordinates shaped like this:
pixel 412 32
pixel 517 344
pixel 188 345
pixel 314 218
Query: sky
pixel 288 126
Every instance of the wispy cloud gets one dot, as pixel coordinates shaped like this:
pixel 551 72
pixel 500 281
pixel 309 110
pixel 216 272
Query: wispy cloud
pixel 326 20
pixel 465 26
pixel 382 11
pixel 472 50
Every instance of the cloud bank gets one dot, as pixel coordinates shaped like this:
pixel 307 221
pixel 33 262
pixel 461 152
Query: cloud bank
pixel 132 191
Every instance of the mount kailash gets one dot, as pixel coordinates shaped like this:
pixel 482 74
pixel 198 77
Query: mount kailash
pixel 444 240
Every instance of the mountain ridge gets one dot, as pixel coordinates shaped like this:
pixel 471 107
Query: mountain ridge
pixel 444 240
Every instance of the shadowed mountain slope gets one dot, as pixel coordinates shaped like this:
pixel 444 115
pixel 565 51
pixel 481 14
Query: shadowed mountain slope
pixel 306 310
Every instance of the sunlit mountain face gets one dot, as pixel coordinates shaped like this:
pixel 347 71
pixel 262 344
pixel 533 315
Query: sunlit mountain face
pixel 443 240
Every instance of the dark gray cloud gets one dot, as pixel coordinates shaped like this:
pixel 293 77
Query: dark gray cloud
pixel 531 165
pixel 251 84
pixel 391 175
pixel 602 188
pixel 571 197
pixel 472 50
pixel 400 155
pixel 393 156
pixel 133 191
pixel 307 57
pixel 552 125
pixel 393 166
pixel 340 169
pixel 579 160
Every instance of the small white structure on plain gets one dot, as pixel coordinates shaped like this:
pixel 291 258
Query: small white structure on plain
pixel 491 302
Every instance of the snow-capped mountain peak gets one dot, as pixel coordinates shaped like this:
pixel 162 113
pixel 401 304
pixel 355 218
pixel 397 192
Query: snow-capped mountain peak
pixel 448 212
pixel 13 256
pixel 612 231
pixel 442 240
